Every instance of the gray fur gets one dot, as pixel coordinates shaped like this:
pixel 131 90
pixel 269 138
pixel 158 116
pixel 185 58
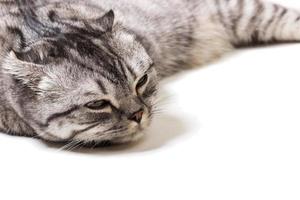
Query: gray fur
pixel 58 56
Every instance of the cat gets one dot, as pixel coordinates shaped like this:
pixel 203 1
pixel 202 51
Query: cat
pixel 87 72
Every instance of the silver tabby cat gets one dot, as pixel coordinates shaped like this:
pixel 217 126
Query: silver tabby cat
pixel 87 71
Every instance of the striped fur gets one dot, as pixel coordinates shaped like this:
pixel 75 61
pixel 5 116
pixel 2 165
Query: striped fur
pixel 57 57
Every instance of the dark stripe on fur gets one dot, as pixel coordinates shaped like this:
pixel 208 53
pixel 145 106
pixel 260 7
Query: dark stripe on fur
pixel 61 114
pixel 26 9
pixel 17 31
pixel 102 87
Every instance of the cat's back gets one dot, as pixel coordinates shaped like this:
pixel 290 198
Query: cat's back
pixel 165 27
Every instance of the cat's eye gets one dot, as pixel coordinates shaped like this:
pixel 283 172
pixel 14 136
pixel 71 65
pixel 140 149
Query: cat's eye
pixel 97 105
pixel 142 81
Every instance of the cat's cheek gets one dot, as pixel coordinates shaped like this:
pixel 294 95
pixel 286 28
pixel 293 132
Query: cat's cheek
pixel 145 123
pixel 63 131
pixel 94 134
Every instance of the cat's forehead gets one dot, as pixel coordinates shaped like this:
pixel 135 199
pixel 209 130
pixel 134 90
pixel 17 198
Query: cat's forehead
pixel 106 65
pixel 103 89
pixel 128 48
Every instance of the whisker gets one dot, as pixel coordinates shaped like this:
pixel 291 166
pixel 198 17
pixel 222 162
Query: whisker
pixel 66 146
pixel 113 132
pixel 75 146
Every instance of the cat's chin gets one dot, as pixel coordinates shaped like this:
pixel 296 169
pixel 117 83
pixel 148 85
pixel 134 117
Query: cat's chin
pixel 129 138
pixel 133 133
pixel 136 133
pixel 121 140
pixel 125 140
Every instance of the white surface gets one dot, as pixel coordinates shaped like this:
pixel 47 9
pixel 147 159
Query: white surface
pixel 229 130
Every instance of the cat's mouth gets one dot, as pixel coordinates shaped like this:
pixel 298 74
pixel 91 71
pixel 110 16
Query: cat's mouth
pixel 122 139
pixel 130 134
pixel 134 133
pixel 128 138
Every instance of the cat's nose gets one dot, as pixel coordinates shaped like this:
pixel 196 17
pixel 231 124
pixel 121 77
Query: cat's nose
pixel 137 116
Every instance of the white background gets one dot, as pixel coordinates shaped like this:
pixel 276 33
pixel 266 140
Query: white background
pixel 230 130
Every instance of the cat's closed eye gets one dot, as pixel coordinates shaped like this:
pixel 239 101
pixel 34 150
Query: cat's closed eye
pixel 98 105
pixel 142 82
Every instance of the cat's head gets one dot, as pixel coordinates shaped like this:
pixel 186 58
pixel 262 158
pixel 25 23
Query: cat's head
pixel 85 85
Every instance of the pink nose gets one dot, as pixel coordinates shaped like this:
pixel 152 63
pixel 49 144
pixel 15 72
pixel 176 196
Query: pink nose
pixel 137 116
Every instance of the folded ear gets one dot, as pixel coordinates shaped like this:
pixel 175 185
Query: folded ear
pixel 30 74
pixel 107 21
pixel 39 53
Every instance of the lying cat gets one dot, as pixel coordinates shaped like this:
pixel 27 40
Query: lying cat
pixel 87 71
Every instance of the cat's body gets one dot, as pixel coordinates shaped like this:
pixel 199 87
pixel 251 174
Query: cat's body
pixel 172 34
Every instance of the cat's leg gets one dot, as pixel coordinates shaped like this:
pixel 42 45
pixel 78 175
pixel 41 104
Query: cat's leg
pixel 258 21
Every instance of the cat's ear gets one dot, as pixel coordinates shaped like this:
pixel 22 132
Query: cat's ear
pixel 38 53
pixel 30 74
pixel 107 21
